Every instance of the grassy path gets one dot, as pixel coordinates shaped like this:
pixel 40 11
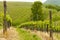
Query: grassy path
pixel 12 34
pixel 27 35
pixel 23 34
pixel 18 34
pixel 39 34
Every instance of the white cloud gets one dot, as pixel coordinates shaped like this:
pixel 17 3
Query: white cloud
pixel 25 0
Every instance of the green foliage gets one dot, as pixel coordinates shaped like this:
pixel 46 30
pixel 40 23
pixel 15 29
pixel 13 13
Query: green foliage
pixel 56 17
pixel 1 27
pixel 8 18
pixel 53 7
pixel 26 35
pixel 21 12
pixel 39 25
pixel 37 11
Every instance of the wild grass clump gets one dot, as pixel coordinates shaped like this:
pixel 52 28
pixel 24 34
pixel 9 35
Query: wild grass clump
pixel 25 35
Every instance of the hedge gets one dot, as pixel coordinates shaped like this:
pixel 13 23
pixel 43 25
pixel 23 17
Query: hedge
pixel 39 25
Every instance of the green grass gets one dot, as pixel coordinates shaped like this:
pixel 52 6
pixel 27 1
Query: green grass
pixel 19 11
pixel 24 35
pixel 0 27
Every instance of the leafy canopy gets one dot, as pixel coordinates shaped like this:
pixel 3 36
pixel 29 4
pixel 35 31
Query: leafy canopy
pixel 37 11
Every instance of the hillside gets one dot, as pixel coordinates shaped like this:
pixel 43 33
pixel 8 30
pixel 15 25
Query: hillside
pixel 23 28
pixel 18 10
pixel 21 11
pixel 54 2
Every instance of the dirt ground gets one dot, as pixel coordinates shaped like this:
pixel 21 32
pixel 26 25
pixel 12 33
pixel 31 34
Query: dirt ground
pixel 12 34
pixel 45 35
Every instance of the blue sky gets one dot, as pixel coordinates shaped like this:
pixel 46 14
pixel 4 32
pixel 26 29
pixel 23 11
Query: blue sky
pixel 26 0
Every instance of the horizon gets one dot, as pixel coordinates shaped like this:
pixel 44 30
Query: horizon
pixel 24 0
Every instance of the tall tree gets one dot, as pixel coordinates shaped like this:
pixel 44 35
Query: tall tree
pixel 37 11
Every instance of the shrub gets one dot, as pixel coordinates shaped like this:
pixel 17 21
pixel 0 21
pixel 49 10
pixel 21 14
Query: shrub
pixel 39 25
pixel 8 19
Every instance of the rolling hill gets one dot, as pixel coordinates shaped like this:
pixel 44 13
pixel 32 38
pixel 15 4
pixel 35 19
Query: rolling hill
pixel 19 11
pixel 54 2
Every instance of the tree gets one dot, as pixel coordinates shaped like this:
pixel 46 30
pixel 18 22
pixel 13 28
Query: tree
pixel 53 7
pixel 37 11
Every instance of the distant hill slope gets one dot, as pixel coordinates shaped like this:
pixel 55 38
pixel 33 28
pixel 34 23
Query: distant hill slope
pixel 55 2
pixel 19 11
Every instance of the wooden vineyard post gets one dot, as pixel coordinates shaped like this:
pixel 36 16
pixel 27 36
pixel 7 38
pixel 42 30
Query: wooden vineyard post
pixel 4 20
pixel 51 34
pixel 47 28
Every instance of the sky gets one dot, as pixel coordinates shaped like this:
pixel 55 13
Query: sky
pixel 26 0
